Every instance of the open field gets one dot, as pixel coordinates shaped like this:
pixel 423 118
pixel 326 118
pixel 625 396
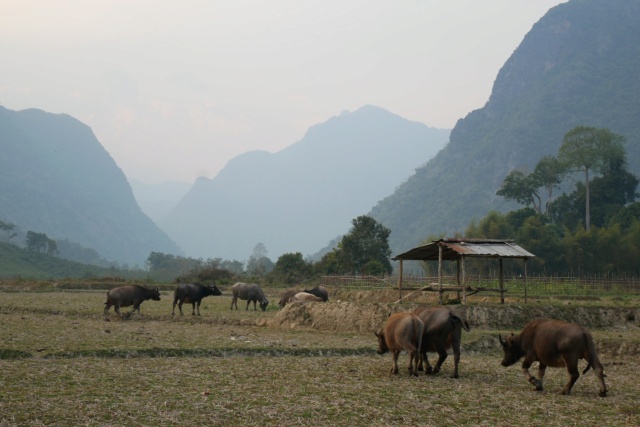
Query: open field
pixel 62 364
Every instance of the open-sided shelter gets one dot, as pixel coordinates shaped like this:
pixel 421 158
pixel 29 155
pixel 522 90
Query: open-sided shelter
pixel 457 250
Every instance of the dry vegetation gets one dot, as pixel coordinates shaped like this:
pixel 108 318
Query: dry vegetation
pixel 62 364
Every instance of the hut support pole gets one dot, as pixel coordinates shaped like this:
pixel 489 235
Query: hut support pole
pixel 440 273
pixel 458 277
pixel 525 280
pixel 400 280
pixel 501 283
pixel 463 280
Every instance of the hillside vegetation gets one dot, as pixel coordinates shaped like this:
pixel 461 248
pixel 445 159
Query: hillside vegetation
pixel 577 66
pixel 19 262
pixel 56 178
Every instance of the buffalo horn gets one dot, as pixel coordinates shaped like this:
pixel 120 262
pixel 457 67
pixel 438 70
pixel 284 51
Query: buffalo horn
pixel 503 342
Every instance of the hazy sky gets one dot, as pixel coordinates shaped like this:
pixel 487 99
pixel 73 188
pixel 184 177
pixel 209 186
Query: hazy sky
pixel 175 89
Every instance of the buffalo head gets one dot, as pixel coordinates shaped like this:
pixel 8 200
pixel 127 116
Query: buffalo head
pixel 511 351
pixel 263 304
pixel 382 343
pixel 214 290
pixel 153 293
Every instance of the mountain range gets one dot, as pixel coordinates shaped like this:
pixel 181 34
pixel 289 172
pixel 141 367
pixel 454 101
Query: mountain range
pixel 298 199
pixel 579 65
pixel 57 179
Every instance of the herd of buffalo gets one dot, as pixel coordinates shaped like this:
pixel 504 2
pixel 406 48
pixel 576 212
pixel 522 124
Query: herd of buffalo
pixel 550 342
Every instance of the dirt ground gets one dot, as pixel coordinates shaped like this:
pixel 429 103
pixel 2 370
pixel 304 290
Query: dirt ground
pixel 367 311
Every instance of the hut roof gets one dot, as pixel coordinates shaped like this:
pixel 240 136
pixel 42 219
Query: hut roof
pixel 453 249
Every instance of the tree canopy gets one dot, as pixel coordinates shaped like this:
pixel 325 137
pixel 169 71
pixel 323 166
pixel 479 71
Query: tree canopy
pixel 590 149
pixel 364 250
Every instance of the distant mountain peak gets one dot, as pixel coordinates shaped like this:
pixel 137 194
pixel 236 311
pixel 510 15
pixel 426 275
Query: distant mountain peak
pixel 301 197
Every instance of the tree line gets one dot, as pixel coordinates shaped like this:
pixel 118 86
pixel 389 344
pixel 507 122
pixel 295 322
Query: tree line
pixel 363 250
pixel 593 230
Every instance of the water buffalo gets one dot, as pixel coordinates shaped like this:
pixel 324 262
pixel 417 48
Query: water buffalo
pixel 192 293
pixel 403 331
pixel 305 296
pixel 553 343
pixel 124 296
pixel 319 291
pixel 286 296
pixel 250 292
pixel 442 331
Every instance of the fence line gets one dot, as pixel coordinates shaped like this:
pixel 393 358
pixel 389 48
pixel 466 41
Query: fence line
pixel 513 285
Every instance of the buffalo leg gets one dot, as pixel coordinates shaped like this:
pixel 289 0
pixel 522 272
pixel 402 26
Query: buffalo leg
pixel 600 374
pixel 530 378
pixel 116 308
pixel 541 371
pixel 133 310
pixel 572 368
pixel 428 367
pixel 196 305
pixel 394 357
pixel 442 356
pixel 455 343
pixel 107 306
pixel 422 361
pixel 413 362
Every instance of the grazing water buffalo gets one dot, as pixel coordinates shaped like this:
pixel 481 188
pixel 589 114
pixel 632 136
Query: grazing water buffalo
pixel 249 292
pixel 124 296
pixel 192 293
pixel 442 331
pixel 403 331
pixel 553 343
pixel 319 291
pixel 286 296
pixel 305 296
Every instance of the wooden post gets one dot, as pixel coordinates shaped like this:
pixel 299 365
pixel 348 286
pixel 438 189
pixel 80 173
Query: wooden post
pixel 400 280
pixel 440 271
pixel 458 276
pixel 501 283
pixel 525 280
pixel 464 288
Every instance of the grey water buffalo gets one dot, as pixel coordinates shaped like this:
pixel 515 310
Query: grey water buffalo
pixel 442 331
pixel 286 296
pixel 553 343
pixel 305 297
pixel 130 295
pixel 319 291
pixel 250 292
pixel 193 294
pixel 403 331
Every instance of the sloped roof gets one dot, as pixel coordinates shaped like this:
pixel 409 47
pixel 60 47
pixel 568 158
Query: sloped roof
pixel 455 248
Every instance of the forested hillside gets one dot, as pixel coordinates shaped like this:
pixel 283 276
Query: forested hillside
pixel 577 66
pixel 56 178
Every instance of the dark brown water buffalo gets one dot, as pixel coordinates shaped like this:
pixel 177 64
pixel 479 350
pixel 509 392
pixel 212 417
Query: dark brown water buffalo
pixel 403 331
pixel 442 331
pixel 250 292
pixel 305 297
pixel 319 291
pixel 125 296
pixel 192 293
pixel 286 296
pixel 553 343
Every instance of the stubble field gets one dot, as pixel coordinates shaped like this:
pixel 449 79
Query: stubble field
pixel 62 364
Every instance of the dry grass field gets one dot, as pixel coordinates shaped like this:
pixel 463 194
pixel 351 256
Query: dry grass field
pixel 62 364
